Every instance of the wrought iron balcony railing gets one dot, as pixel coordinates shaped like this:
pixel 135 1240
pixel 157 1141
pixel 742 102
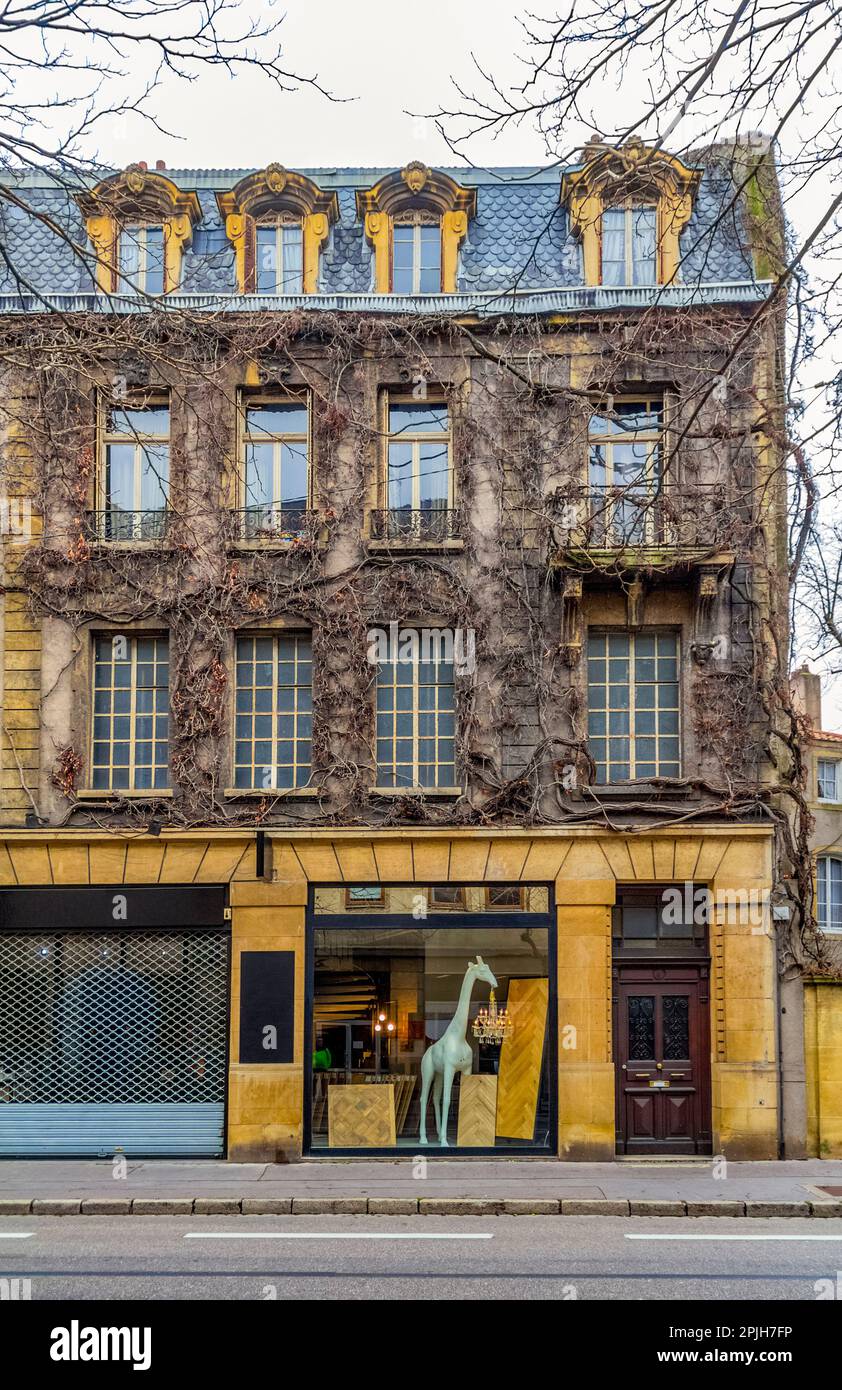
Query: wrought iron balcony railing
pixel 425 524
pixel 114 524
pixel 697 517
pixel 269 522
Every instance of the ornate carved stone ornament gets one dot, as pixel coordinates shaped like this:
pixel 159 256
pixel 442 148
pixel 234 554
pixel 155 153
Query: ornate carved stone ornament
pixel 138 195
pixel 417 189
pixel 277 192
pixel 635 173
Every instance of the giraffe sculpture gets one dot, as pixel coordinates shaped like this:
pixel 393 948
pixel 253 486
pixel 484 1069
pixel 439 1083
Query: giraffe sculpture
pixel 450 1053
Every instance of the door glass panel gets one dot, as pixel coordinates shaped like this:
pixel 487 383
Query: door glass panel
pixel 676 1026
pixel 641 1027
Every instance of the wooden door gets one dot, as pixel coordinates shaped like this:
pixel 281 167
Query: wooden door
pixel 662 1058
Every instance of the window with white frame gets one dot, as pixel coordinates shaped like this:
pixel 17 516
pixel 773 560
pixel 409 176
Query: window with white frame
pixel 625 446
pixel 130 713
pixel 419 475
pixel 141 259
pixel 633 705
pixel 279 267
pixel 829 778
pixel 829 886
pixel 274 712
pixel 629 245
pixel 416 716
pixel 275 474
pixel 416 254
pixel 135 471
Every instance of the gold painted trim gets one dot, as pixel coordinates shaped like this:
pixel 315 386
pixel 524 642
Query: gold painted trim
pixel 416 188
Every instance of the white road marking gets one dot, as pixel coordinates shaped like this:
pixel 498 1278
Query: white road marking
pixel 331 1235
pixel 16 1235
pixel 745 1237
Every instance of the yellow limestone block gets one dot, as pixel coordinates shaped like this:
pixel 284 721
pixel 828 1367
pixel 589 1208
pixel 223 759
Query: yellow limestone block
pixel 663 852
pixel 356 860
pixel 586 861
pixel 545 859
pixel 144 857
pixel 686 857
pixel 468 859
pixel 642 858
pixel 617 855
pixel 431 859
pixel 222 860
pixel 711 854
pixel 318 861
pixel 506 860
pixel 182 861
pixel 31 863
pixel 108 860
pixel 7 873
pixel 393 859
pixel 69 862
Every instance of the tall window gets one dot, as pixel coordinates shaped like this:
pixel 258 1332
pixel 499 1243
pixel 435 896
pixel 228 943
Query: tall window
pixel 131 713
pixel 274 714
pixel 625 471
pixel 135 472
pixel 141 259
pixel 829 883
pixel 629 238
pixel 633 705
pixel 830 782
pixel 416 716
pixel 419 481
pixel 416 254
pixel 275 473
pixel 280 258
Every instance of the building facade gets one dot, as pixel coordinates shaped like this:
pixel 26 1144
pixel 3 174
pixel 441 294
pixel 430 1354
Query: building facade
pixel 392 625
pixel 812 997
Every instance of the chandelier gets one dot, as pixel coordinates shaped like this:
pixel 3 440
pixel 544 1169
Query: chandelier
pixel 492 1025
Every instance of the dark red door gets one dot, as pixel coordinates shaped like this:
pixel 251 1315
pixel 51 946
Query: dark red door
pixel 662 1056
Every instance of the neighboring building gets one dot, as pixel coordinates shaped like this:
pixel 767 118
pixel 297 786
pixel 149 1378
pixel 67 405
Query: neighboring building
pixel 812 1038
pixel 249 857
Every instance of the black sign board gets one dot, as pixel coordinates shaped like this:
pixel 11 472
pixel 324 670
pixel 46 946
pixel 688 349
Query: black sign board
pixel 267 1006
pixel 123 906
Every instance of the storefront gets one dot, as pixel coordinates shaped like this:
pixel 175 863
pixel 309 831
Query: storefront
pixel 429 1008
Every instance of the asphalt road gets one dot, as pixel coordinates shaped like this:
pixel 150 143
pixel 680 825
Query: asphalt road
pixel 360 1258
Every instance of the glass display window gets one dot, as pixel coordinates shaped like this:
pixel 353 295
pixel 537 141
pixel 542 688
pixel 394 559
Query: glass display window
pixel 429 1020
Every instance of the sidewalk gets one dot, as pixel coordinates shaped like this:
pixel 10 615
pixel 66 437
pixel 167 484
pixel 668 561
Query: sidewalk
pixel 683 1179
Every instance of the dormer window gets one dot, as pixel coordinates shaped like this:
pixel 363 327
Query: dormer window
pixel 278 222
pixel 628 207
pixel 139 224
pixel 416 219
pixel 416 254
pixel 141 259
pixel 629 245
pixel 279 263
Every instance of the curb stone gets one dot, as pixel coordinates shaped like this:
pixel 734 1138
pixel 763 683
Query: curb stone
pixel 266 1206
pixel 777 1208
pixel 830 1208
pixel 393 1206
pixel 106 1206
pixel 460 1206
pixel 162 1206
pixel 329 1206
pixel 656 1206
pixel 55 1206
pixel 597 1206
pixel 411 1206
pixel 716 1208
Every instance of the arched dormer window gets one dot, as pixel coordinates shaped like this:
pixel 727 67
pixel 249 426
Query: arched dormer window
pixel 139 223
pixel 628 206
pixel 278 222
pixel 416 220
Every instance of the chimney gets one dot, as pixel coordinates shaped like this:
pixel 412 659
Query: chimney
pixel 141 164
pixel 160 164
pixel 807 693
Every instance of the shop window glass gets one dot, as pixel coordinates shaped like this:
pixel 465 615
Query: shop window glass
pixel 404 1010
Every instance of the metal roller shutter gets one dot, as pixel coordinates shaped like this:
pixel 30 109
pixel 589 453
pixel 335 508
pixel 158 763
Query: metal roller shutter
pixel 113 1041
